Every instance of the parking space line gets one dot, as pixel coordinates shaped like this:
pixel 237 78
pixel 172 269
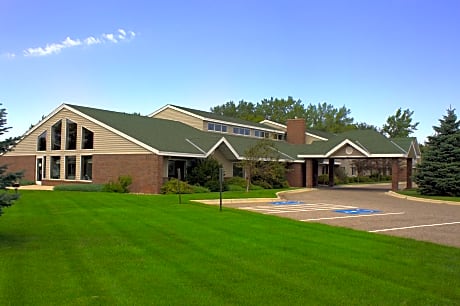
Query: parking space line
pixel 414 226
pixel 295 208
pixel 354 216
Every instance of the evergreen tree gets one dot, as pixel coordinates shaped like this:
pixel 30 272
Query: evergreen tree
pixel 6 179
pixel 439 171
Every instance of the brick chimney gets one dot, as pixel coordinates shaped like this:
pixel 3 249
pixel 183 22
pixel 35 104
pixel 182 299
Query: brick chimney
pixel 296 131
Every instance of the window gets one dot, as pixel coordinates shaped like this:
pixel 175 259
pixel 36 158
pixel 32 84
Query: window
pixel 56 136
pixel 86 168
pixel 241 131
pixel 55 167
pixel 41 142
pixel 217 127
pixel 260 134
pixel 238 170
pixel 71 135
pixel 87 139
pixel 70 167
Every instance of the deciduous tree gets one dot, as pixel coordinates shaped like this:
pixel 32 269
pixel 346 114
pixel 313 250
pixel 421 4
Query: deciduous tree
pixel 400 124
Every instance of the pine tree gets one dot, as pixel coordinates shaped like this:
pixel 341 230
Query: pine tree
pixel 6 179
pixel 439 171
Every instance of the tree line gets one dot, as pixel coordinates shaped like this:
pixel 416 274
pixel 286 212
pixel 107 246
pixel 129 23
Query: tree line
pixel 321 117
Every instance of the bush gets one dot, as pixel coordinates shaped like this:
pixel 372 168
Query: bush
pixel 205 173
pixel 235 188
pixel 170 187
pixel 80 187
pixel 121 186
pixel 323 179
pixel 26 182
pixel 200 189
pixel 236 181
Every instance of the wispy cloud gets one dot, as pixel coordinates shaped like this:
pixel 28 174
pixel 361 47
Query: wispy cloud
pixel 54 48
pixel 9 55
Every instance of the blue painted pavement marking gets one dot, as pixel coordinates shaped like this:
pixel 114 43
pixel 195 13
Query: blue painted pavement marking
pixel 287 202
pixel 357 211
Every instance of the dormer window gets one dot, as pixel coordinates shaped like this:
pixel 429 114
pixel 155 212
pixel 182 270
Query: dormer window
pixel 216 127
pixel 260 134
pixel 241 131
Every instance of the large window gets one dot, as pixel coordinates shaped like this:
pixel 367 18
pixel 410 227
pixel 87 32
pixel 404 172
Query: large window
pixel 56 136
pixel 71 135
pixel 86 168
pixel 41 142
pixel 55 167
pixel 217 127
pixel 70 167
pixel 87 139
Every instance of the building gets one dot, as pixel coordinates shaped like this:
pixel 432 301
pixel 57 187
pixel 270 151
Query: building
pixel 77 144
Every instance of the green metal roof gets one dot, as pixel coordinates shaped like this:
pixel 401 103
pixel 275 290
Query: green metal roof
pixel 176 138
pixel 236 121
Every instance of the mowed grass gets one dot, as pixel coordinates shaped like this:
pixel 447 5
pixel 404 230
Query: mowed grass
pixel 415 193
pixel 72 248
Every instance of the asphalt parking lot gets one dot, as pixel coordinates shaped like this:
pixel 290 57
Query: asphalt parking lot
pixel 368 208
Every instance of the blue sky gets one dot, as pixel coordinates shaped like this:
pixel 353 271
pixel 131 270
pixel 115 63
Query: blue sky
pixel 136 56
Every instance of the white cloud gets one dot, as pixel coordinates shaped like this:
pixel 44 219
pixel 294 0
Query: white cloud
pixel 68 42
pixel 122 34
pixel 55 48
pixel 92 41
pixel 9 55
pixel 110 37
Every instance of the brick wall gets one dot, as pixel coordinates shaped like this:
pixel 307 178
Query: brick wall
pixel 296 131
pixel 296 175
pixel 20 163
pixel 146 170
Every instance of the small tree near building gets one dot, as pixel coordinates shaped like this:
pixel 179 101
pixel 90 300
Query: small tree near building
pixel 261 165
pixel 6 179
pixel 439 171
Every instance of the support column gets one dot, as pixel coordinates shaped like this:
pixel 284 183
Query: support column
pixel 309 182
pixel 409 173
pixel 331 172
pixel 315 172
pixel 394 174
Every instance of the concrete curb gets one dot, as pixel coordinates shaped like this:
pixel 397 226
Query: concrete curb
pixel 402 196
pixel 252 200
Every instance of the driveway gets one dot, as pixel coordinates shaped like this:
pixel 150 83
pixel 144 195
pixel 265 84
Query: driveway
pixel 369 208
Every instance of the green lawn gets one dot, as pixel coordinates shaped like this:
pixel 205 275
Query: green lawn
pixel 415 193
pixel 72 248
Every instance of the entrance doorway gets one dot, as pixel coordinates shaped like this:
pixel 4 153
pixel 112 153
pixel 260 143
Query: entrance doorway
pixel 40 167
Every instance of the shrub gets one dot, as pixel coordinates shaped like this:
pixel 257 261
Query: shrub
pixel 323 179
pixel 121 186
pixel 200 189
pixel 170 187
pixel 205 173
pixel 235 188
pixel 24 182
pixel 236 181
pixel 80 187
